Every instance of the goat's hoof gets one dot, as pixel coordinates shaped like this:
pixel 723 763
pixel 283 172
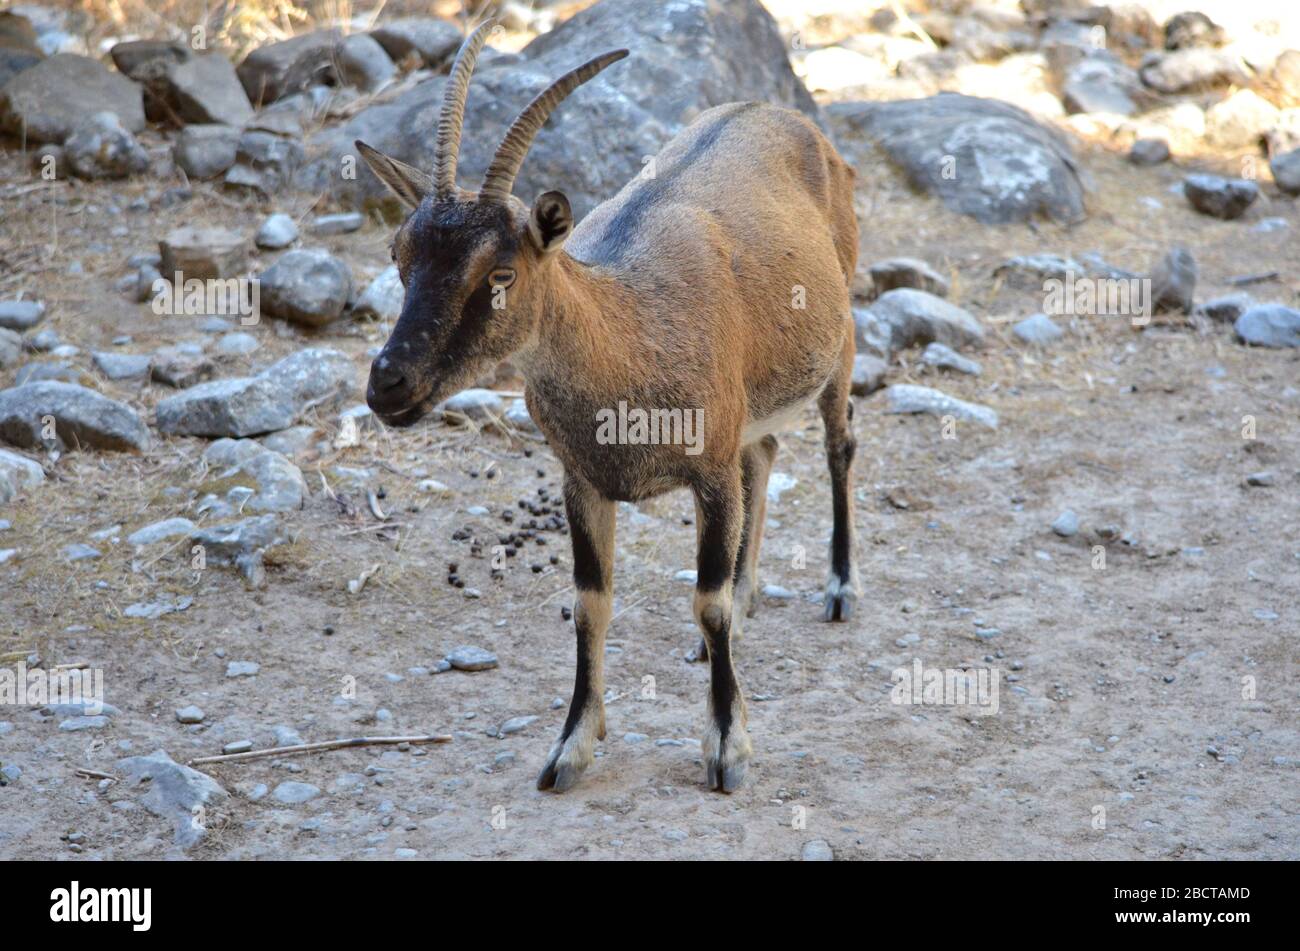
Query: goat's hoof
pixel 726 759
pixel 699 653
pixel 558 777
pixel 840 603
pixel 725 777
pixel 570 757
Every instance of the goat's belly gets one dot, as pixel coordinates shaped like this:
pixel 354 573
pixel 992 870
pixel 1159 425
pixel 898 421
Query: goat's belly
pixel 779 421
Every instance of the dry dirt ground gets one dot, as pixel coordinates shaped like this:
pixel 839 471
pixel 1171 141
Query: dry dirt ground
pixel 1122 688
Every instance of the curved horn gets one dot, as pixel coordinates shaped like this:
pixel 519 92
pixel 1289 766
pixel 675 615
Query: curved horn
pixel 447 147
pixel 500 177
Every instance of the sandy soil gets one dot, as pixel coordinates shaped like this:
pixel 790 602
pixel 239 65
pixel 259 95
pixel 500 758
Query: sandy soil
pixel 1115 683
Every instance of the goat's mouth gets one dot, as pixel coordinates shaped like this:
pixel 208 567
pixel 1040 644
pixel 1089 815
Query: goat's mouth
pixel 405 417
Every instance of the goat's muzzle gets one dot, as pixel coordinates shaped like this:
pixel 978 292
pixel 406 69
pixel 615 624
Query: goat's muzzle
pixel 392 395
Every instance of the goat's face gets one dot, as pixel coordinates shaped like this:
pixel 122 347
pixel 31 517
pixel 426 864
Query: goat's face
pixel 475 266
pixel 475 290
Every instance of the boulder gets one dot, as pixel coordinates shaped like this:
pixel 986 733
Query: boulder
pixel 276 483
pixel 982 158
pixel 685 58
pixel 309 287
pixel 363 63
pixel 382 299
pixel 203 253
pixel 46 102
pixel 264 163
pixel 82 418
pixel 912 317
pixel 272 400
pixel 21 315
pixel 287 66
pixel 173 792
pixel 17 474
pixel 100 147
pixel 1225 198
pixel 432 40
pixel 206 151
pixel 1269 325
pixel 1192 69
pixel 206 89
pixel 1101 82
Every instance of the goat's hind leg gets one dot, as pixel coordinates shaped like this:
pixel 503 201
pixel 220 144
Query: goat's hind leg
pixel 756 461
pixel 842 585
pixel 591 528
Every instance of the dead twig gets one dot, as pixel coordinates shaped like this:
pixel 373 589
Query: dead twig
pixel 323 745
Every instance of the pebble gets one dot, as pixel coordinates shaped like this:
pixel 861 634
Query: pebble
pixel 292 793
pixel 818 850
pixel 1066 524
pixel 242 668
pixel 190 714
pixel 1262 479
pixel 239 746
pixel 76 724
pixel 472 658
pixel 516 725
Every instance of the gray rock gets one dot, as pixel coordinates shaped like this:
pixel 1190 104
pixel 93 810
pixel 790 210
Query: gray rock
pixel 206 151
pixel 472 658
pixel 308 287
pixel 518 417
pixel 122 366
pixel 241 545
pixel 1286 171
pixel 868 374
pixel 1220 197
pixel 277 69
pixel 81 723
pixel 242 668
pixel 100 147
pixel 174 792
pixel 479 405
pixel 617 119
pixel 21 315
pixel 272 400
pixel 1226 309
pixel 277 484
pixel 1173 281
pixel 264 163
pixel 13 60
pixel 1066 524
pixel 342 223
pixel 238 746
pixel 362 62
pixel 983 158
pixel 286 735
pixel 161 531
pixel 1030 271
pixel 292 441
pixel 818 850
pixel 82 418
pixel 382 298
pixel 203 253
pixel 236 344
pixel 35 372
pixel 907 398
pixel 1269 325
pixel 206 89
pixel 46 102
pixel 293 793
pixel 1100 82
pixel 907 272
pixel 1261 480
pixel 181 365
pixel 153 610
pixel 277 231
pixel 11 772
pixel 516 725
pixel 79 552
pixel 1192 69
pixel 1149 152
pixel 1039 329
pixel 943 357
pixel 432 40
pixel 17 474
pixel 190 714
pixel 913 317
pixel 11 348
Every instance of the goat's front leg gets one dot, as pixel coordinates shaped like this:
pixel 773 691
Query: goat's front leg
pixel 726 746
pixel 591 528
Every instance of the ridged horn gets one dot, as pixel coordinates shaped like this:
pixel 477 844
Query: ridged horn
pixel 500 177
pixel 446 149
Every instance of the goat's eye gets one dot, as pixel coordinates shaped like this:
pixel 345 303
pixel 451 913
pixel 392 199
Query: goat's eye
pixel 501 276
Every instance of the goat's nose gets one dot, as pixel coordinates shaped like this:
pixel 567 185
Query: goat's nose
pixel 385 375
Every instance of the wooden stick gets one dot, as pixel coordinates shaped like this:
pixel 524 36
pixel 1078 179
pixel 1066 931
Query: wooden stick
pixel 93 773
pixel 323 745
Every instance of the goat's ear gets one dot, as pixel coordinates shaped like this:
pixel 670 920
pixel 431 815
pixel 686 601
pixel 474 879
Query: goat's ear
pixel 550 222
pixel 405 181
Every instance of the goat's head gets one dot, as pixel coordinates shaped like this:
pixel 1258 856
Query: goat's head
pixel 474 265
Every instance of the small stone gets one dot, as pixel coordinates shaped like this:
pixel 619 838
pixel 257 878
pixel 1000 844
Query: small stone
pixel 1038 330
pixel 203 254
pixel 77 724
pixel 21 315
pixel 342 223
pixel 943 357
pixel 516 725
pixel 293 793
pixel 868 374
pixel 382 299
pixel 1066 524
pixel 190 714
pixel 1261 479
pixel 908 398
pixel 123 366
pixel 101 147
pixel 277 231
pixel 817 851
pixel 1149 152
pixel 239 746
pixel 1219 197
pixel 79 552
pixel 309 287
pixel 206 151
pixel 472 658
pixel 161 531
pixel 907 272
pixel 1269 325
pixel 242 668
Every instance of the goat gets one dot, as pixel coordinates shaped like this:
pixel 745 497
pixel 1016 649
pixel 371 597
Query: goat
pixel 718 282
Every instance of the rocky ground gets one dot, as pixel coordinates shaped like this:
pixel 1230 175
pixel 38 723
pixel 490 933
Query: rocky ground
pixel 1106 517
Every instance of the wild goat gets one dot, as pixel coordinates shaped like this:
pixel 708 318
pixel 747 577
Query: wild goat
pixel 718 283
